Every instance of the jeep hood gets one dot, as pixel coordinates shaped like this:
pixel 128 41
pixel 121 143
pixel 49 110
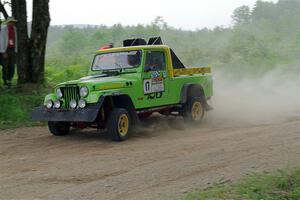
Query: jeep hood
pixel 100 81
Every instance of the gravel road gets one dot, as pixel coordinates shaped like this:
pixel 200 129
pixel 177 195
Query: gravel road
pixel 161 161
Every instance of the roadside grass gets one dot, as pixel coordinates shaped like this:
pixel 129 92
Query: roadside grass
pixel 16 104
pixel 15 108
pixel 279 185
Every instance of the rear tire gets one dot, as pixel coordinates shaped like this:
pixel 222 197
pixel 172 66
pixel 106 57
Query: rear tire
pixel 118 124
pixel 193 111
pixel 59 128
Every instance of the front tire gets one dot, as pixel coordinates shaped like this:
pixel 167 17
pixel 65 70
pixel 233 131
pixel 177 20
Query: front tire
pixel 118 124
pixel 193 111
pixel 59 128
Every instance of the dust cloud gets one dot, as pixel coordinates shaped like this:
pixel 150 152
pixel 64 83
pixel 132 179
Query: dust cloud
pixel 273 97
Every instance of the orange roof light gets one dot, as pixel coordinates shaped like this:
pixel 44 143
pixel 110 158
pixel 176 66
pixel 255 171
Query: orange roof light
pixel 107 46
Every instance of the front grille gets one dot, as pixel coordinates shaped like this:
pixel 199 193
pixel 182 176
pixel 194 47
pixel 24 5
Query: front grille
pixel 69 93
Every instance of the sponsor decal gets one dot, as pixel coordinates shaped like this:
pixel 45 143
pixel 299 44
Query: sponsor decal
pixel 155 74
pixel 156 95
pixel 153 85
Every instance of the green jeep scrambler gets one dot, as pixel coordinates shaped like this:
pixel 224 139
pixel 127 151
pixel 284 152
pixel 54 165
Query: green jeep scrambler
pixel 125 85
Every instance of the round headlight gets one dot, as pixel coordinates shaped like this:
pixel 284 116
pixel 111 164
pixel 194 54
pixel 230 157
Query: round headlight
pixel 84 91
pixel 59 93
pixel 73 103
pixel 57 104
pixel 49 104
pixel 82 103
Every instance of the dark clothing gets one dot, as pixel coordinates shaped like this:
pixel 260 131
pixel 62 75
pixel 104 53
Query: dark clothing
pixel 11 36
pixel 4 71
pixel 8 64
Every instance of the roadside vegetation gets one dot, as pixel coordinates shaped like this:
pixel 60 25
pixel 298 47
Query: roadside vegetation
pixel 15 108
pixel 279 185
pixel 261 39
pixel 16 103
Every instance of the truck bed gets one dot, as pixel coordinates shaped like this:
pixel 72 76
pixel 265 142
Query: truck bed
pixel 192 70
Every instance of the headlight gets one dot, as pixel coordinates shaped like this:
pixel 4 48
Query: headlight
pixel 57 104
pixel 73 103
pixel 82 103
pixel 84 91
pixel 49 104
pixel 59 93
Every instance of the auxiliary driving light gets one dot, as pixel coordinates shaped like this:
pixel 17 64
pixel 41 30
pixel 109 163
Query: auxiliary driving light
pixel 49 104
pixel 59 93
pixel 57 104
pixel 84 91
pixel 82 103
pixel 73 103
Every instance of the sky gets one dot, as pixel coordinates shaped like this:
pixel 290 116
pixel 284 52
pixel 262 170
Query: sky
pixel 184 14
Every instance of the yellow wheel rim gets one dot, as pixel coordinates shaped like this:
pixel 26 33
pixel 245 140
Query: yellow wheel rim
pixel 123 125
pixel 197 111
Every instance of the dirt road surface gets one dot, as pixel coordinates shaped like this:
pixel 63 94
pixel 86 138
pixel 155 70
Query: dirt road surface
pixel 161 161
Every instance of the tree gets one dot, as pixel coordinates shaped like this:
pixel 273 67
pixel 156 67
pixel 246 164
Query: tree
pixel 160 22
pixel 265 10
pixel 73 42
pixel 31 50
pixel 38 39
pixel 241 15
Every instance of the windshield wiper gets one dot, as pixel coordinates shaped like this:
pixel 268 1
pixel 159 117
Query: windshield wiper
pixel 128 71
pixel 111 72
pixel 120 66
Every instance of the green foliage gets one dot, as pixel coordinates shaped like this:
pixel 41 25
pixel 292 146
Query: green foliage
pixel 73 42
pixel 56 75
pixel 16 105
pixel 241 15
pixel 283 184
pixel 15 108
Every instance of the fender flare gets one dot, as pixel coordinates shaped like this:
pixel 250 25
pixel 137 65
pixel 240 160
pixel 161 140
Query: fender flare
pixel 198 91
pixel 121 100
pixel 184 95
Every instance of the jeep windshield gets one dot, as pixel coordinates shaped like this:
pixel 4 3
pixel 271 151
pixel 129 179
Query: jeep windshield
pixel 117 60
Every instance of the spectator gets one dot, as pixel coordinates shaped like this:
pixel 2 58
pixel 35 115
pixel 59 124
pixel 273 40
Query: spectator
pixel 2 52
pixel 8 49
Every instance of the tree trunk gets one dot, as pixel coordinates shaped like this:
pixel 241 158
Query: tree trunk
pixel 38 39
pixel 3 11
pixel 31 51
pixel 23 60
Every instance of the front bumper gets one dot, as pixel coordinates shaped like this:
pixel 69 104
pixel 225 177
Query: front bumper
pixel 87 114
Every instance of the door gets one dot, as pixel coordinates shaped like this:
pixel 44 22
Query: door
pixel 155 79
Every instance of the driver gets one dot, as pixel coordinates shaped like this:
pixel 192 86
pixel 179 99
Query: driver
pixel 133 60
pixel 155 64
